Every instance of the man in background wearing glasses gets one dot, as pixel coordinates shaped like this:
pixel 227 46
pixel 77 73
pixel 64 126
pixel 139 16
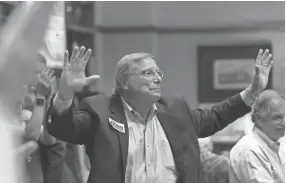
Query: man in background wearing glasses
pixel 137 135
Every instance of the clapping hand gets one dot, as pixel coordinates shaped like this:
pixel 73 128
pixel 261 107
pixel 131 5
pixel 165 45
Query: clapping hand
pixel 44 82
pixel 73 75
pixel 41 89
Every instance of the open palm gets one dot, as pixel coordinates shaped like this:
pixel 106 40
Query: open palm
pixel 263 66
pixel 73 75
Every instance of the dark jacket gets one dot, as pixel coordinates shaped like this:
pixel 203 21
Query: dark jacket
pixel 107 148
pixel 46 164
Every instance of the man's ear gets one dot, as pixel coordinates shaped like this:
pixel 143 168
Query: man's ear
pixel 124 82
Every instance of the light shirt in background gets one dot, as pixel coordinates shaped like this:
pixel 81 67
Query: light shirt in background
pixel 281 151
pixel 247 123
pixel 150 157
pixel 255 158
pixel 8 168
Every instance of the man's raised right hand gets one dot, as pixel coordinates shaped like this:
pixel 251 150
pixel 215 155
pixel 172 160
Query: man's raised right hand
pixel 73 75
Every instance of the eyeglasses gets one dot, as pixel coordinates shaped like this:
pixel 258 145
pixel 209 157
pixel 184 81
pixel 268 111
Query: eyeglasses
pixel 150 73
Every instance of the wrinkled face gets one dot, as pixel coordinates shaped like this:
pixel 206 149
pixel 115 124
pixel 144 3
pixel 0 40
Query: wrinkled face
pixel 274 124
pixel 144 79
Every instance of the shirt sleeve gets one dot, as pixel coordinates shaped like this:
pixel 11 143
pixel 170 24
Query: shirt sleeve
pixel 60 105
pixel 247 98
pixel 252 167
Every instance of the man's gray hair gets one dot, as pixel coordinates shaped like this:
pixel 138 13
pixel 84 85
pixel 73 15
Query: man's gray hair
pixel 123 67
pixel 264 103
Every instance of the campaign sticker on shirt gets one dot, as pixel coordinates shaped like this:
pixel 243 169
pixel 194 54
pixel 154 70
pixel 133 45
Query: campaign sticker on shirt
pixel 116 125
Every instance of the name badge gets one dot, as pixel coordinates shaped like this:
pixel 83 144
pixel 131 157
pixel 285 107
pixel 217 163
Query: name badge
pixel 117 126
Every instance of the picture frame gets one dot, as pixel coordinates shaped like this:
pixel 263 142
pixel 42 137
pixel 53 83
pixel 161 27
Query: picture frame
pixel 232 73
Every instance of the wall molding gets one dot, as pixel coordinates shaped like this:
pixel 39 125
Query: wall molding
pixel 277 26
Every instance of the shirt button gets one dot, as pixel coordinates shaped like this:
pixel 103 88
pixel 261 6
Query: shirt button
pixel 149 163
pixel 148 145
pixel 29 159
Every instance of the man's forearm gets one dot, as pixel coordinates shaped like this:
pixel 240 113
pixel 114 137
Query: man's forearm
pixel 33 127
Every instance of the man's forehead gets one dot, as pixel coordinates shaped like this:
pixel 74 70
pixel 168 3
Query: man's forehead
pixel 145 64
pixel 278 106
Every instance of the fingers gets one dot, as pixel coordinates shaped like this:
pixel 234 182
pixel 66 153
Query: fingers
pixel 44 82
pixel 50 74
pixel 74 55
pixel 53 79
pixel 259 55
pixel 264 58
pixel 86 57
pixel 47 74
pixel 91 79
pixel 268 60
pixel 270 65
pixel 80 54
pixel 265 55
pixel 66 58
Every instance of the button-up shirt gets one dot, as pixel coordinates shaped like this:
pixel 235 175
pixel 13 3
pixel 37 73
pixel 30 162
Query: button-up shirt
pixel 281 151
pixel 150 157
pixel 255 158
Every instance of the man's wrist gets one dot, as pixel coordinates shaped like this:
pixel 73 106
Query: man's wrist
pixel 253 92
pixel 249 96
pixel 65 95
pixel 61 105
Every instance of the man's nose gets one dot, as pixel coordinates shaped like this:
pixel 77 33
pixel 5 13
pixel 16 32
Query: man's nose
pixel 157 79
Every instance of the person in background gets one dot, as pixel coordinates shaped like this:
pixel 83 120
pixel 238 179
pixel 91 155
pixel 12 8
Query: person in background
pixel 255 158
pixel 12 155
pixel 118 129
pixel 46 164
pixel 20 37
pixel 214 166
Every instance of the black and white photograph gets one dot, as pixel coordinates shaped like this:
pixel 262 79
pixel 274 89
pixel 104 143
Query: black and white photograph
pixel 142 92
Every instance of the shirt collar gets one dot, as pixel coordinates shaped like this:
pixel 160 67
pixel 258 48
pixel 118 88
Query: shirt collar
pixel 153 111
pixel 272 144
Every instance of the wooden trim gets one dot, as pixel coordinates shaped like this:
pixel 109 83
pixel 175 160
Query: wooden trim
pixel 81 29
pixel 10 2
pixel 278 26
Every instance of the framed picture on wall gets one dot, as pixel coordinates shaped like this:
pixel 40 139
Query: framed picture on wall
pixel 226 70
pixel 232 73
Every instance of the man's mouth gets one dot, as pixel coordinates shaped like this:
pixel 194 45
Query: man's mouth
pixel 281 129
pixel 155 89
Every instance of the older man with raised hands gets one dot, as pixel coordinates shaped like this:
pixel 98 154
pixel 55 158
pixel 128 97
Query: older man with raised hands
pixel 137 135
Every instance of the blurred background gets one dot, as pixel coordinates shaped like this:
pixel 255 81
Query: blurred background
pixel 201 46
pixel 172 32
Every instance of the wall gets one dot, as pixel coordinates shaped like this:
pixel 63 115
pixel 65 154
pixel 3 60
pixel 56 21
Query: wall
pixel 186 14
pixel 172 32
